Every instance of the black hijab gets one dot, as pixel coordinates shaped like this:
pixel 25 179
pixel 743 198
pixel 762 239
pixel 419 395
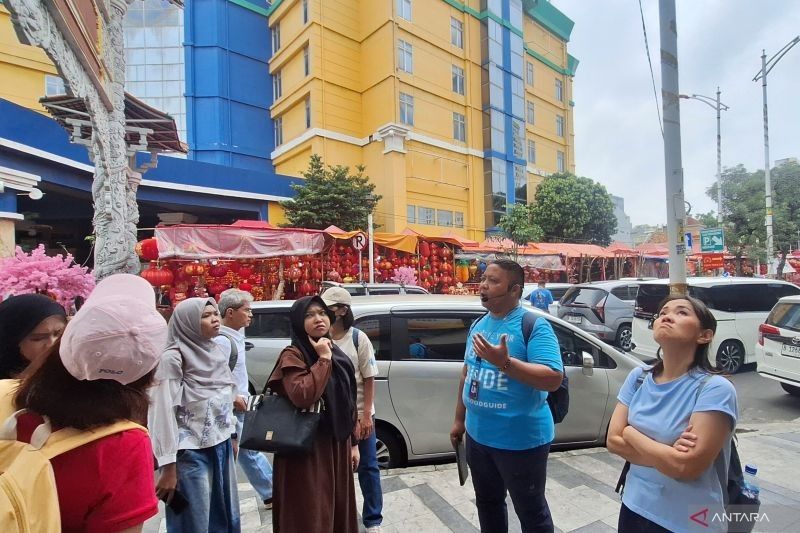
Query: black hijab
pixel 340 392
pixel 19 315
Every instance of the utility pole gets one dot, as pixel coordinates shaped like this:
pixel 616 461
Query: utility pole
pixel 718 106
pixel 676 210
pixel 371 237
pixel 766 67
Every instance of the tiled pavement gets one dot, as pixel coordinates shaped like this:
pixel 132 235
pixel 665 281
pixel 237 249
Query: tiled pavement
pixel 580 490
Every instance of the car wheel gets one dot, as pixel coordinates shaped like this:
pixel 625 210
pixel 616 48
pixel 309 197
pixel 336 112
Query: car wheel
pixel 624 337
pixel 791 389
pixel 730 356
pixel 390 451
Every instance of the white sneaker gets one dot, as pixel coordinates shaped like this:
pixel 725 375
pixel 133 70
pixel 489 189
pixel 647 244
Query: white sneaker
pixel 374 529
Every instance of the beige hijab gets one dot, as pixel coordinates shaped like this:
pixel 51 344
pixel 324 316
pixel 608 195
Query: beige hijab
pixel 198 362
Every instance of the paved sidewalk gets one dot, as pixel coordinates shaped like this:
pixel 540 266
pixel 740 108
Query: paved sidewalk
pixel 580 490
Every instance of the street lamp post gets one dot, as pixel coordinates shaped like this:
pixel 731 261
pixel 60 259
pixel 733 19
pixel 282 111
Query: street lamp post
pixel 766 67
pixel 718 106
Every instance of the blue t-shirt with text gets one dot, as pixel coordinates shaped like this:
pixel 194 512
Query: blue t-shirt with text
pixel 508 414
pixel 662 411
pixel 541 299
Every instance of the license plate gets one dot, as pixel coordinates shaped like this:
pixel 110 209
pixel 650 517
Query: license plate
pixel 577 320
pixel 790 350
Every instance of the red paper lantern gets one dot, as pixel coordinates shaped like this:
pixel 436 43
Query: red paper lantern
pixel 157 276
pixel 147 249
pixel 244 286
pixel 295 274
pixel 195 269
pixel 217 288
pixel 424 249
pixel 218 270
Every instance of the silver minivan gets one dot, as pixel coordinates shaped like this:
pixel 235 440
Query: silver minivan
pixel 416 389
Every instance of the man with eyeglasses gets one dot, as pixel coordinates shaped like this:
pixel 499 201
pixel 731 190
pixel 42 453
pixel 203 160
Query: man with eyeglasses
pixel 234 308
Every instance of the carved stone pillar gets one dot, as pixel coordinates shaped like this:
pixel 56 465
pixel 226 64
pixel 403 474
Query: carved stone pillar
pixel 116 212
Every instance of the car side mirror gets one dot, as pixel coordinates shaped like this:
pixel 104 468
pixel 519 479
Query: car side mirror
pixel 587 363
pixel 248 346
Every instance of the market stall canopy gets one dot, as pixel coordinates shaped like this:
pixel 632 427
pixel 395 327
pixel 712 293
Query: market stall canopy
pixel 146 128
pixel 619 248
pixel 568 249
pixel 230 242
pixel 652 248
pixel 253 224
pixel 395 241
pixel 506 245
pixel 455 239
pixel 333 229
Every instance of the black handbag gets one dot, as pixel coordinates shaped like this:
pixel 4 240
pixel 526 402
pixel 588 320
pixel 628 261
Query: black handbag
pixel 274 424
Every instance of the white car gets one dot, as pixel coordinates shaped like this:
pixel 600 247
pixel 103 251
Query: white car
pixel 778 346
pixel 738 304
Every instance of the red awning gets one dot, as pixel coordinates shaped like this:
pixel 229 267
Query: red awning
pixel 253 224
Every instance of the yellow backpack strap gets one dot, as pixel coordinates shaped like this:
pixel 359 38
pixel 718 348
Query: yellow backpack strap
pixel 67 439
pixel 8 387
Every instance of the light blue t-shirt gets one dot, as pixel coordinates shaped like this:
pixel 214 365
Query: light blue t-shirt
pixel 662 411
pixel 541 299
pixel 509 414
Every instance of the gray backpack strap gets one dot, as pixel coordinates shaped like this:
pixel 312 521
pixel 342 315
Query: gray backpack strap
pixel 234 355
pixel 356 332
pixel 720 464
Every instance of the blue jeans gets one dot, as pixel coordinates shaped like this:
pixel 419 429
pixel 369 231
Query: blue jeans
pixel 255 466
pixel 369 477
pixel 207 479
pixel 522 473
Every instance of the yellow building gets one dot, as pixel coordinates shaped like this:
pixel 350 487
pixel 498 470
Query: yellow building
pixel 26 73
pixel 455 108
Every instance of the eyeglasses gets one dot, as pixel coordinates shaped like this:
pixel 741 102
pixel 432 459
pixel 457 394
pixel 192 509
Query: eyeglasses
pixel 245 310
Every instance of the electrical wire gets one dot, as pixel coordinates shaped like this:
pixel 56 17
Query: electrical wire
pixel 652 74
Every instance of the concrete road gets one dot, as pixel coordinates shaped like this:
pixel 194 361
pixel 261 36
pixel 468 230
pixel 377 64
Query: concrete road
pixel 763 400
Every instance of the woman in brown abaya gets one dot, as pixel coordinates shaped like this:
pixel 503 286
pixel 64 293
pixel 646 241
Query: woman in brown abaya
pixel 314 492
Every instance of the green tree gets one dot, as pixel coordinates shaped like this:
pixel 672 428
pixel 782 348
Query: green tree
pixel 518 226
pixel 708 220
pixel 744 209
pixel 573 208
pixel 331 196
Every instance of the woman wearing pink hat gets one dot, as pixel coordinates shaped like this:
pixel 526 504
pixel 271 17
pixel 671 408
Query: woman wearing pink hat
pixel 90 385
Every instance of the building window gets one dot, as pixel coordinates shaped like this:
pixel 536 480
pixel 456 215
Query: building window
pixel 54 86
pixel 459 127
pixel 444 218
pixel 308 112
pixel 456 32
pixel 560 163
pixel 426 215
pixel 531 151
pixel 407 109
pixel 305 11
pixel 411 213
pixel 458 219
pixel 559 125
pixel 405 56
pixel 278 131
pixel 276 37
pixel 277 85
pixel 530 117
pixel 306 61
pixel 458 80
pixel 559 90
pixel 404 9
pixel 529 73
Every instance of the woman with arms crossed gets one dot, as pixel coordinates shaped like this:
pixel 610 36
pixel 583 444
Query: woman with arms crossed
pixel 671 422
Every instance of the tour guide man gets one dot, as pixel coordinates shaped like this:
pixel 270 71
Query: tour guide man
pixel 502 405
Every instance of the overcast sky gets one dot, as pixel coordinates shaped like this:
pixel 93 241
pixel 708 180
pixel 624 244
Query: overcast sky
pixel 617 137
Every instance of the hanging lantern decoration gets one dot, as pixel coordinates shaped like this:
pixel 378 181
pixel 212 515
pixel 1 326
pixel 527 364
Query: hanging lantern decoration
pixel 147 249
pixel 157 276
pixel 195 269
pixel 218 270
pixel 245 271
pixel 294 274
pixel 424 249
pixel 217 288
pixel 244 286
